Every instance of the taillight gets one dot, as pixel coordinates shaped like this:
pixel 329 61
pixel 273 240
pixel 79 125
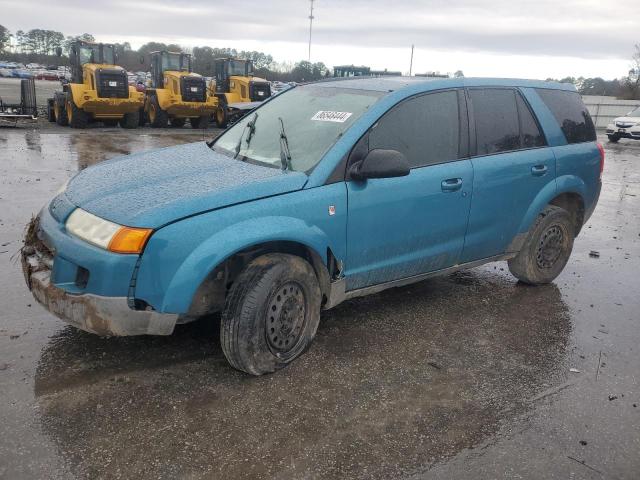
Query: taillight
pixel 601 148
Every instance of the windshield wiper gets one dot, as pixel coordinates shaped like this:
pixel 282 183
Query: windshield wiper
pixel 285 153
pixel 251 125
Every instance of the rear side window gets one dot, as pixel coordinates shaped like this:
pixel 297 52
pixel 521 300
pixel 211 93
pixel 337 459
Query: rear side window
pixel 571 114
pixel 496 119
pixel 530 131
pixel 426 129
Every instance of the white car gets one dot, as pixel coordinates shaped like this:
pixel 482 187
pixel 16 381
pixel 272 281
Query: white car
pixel 625 127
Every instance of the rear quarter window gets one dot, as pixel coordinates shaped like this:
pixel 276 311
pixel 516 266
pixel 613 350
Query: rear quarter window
pixel 571 114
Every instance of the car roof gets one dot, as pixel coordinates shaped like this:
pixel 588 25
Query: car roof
pixel 416 84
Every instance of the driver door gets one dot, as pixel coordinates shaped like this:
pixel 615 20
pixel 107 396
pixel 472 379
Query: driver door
pixel 405 226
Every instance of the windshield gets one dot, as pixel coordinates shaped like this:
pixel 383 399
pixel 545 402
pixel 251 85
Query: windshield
pixel 171 61
pixel 237 67
pixel 311 117
pixel 91 54
pixel 634 113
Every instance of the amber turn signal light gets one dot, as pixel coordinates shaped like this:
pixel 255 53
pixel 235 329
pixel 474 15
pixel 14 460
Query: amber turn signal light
pixel 129 240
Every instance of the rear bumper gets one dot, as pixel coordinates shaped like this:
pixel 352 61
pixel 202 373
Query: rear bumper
pixel 106 316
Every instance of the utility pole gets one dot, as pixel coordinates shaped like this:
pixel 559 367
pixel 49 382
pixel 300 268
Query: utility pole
pixel 411 63
pixel 311 17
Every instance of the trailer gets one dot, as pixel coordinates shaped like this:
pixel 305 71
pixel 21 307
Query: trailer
pixel 26 110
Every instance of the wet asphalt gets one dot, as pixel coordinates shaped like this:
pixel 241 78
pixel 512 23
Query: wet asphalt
pixel 467 376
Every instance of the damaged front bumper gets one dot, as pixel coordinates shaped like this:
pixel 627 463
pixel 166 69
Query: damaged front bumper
pixel 105 316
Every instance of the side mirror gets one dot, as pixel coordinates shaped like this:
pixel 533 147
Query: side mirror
pixel 380 163
pixel 59 51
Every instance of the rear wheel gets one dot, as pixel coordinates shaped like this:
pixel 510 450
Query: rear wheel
pixel 77 117
pixel 613 138
pixel 222 115
pixel 130 120
pixel 60 112
pixel 547 248
pixel 199 122
pixel 158 118
pixel 51 115
pixel 271 314
pixel 178 122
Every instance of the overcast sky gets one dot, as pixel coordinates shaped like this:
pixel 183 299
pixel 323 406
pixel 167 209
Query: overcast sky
pixel 534 39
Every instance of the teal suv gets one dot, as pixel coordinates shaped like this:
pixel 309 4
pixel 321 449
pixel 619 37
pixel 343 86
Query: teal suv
pixel 326 192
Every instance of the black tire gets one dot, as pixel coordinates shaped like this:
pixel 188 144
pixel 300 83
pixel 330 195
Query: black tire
pixel 142 118
pixel 222 113
pixel 547 248
pixel 177 122
pixel 254 341
pixel 59 110
pixel 158 118
pixel 51 115
pixel 77 117
pixel 613 138
pixel 110 122
pixel 199 122
pixel 130 120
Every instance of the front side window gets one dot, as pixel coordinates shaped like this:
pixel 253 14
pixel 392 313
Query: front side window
pixel 571 114
pixel 296 128
pixel 425 129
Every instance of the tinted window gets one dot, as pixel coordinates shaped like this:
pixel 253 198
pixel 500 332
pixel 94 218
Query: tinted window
pixel 531 135
pixel 425 129
pixel 571 114
pixel 496 119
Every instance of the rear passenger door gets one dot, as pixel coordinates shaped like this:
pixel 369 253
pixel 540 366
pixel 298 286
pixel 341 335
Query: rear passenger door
pixel 405 226
pixel 511 165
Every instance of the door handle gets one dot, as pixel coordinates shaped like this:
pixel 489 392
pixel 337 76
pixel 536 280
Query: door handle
pixel 451 184
pixel 539 170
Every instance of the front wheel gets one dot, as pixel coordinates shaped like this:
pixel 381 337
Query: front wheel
pixel 222 116
pixel 613 138
pixel 130 120
pixel 271 314
pixel 547 248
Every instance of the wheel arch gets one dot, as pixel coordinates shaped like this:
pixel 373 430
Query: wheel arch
pixel 567 192
pixel 211 293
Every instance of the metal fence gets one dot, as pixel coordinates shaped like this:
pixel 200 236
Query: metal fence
pixel 604 109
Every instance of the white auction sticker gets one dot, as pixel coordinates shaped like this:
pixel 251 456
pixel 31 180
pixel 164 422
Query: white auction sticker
pixel 327 116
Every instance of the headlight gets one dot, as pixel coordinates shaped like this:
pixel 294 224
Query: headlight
pixel 105 234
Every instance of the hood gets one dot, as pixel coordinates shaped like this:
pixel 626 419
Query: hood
pixel 151 189
pixel 627 120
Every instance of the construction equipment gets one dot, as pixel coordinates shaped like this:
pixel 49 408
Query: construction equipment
pixel 26 110
pixel 238 91
pixel 98 90
pixel 176 93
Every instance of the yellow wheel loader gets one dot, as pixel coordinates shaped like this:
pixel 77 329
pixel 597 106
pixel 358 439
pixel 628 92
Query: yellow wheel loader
pixel 176 93
pixel 238 91
pixel 98 91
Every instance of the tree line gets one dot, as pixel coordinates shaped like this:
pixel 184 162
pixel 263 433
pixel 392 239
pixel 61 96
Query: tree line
pixel 40 46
